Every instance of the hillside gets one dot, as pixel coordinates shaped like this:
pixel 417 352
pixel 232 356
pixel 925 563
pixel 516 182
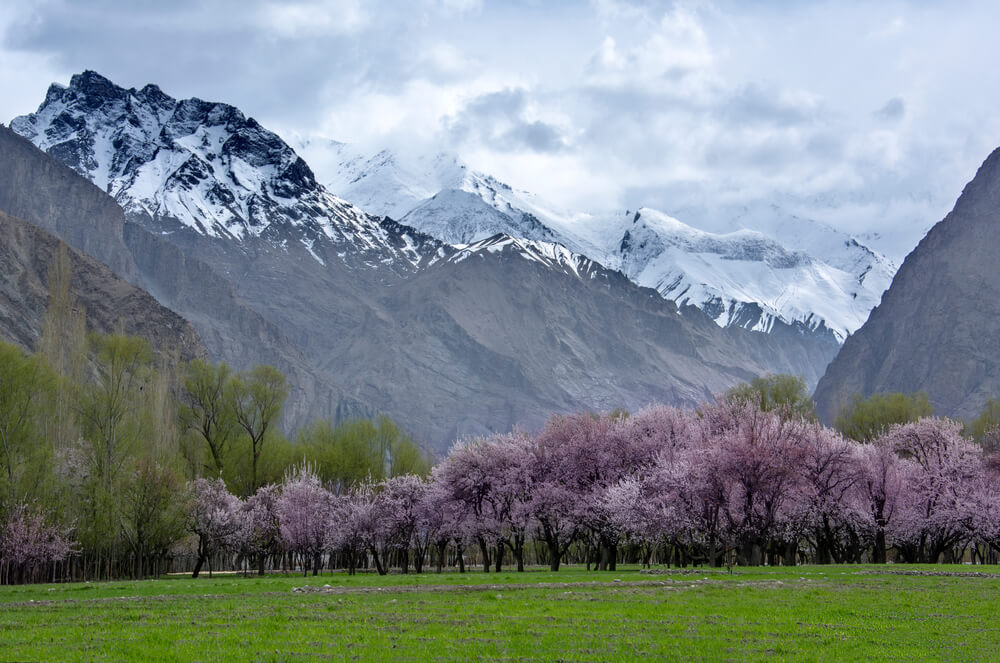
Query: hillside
pixel 937 328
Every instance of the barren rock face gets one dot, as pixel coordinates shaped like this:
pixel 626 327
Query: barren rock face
pixel 938 326
pixel 110 303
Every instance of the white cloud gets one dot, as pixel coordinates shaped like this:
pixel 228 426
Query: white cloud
pixel 611 104
pixel 677 46
pixel 300 20
pixel 24 75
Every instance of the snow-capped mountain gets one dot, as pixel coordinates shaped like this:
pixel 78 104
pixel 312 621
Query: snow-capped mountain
pixel 772 266
pixel 517 318
pixel 205 167
pixel 746 278
pixel 552 255
pixel 437 194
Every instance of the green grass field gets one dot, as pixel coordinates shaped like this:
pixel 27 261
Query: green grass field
pixel 847 613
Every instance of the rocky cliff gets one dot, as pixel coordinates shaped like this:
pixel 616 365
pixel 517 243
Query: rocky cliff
pixel 111 305
pixel 937 328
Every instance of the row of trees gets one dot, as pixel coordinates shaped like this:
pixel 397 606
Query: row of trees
pixel 99 436
pixel 730 482
pixel 726 483
pixel 114 460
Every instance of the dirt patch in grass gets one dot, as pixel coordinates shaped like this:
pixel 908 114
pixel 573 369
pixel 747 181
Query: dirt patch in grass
pixel 483 587
pixel 921 572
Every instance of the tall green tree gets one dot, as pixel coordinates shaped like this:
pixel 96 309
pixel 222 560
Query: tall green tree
pixel 25 383
pixel 64 345
pixel 162 403
pixel 206 410
pixel 109 407
pixel 985 429
pixel 152 515
pixel 786 394
pixel 256 398
pixel 864 419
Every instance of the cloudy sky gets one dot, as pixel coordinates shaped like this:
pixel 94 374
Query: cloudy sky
pixel 870 116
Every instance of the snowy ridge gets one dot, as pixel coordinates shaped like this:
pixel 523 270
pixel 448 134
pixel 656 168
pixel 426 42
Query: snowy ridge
pixel 770 266
pixel 744 277
pixel 205 166
pixel 551 255
pixel 436 194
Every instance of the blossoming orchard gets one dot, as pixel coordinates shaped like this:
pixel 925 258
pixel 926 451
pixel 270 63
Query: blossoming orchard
pixel 726 484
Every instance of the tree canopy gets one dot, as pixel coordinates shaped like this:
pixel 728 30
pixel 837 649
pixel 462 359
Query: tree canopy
pixel 786 394
pixel 864 419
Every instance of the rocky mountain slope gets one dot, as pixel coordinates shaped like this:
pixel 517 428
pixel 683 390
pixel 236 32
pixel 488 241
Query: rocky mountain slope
pixel 110 304
pixel 39 189
pixel 230 228
pixel 937 328
pixel 202 166
pixel 771 267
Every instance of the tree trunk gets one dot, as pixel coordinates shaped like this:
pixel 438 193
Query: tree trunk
pixel 750 553
pixel 378 563
pixel 486 555
pixel 790 553
pixel 418 561
pixel 198 565
pixel 554 553
pixel 442 548
pixel 878 550
pixel 608 555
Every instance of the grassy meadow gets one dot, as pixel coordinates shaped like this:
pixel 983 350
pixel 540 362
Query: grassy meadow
pixel 846 613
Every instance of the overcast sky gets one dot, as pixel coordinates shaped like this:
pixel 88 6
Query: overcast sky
pixel 868 115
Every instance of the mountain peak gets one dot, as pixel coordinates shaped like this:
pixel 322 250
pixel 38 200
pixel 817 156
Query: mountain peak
pixel 936 328
pixel 94 90
pixel 200 166
pixel 90 80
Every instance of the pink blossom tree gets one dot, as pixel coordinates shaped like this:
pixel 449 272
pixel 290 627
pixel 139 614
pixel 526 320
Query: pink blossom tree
pixel 938 509
pixel 489 482
pixel 213 516
pixel 456 522
pixel 758 456
pixel 984 510
pixel 440 523
pixel 373 525
pixel 260 527
pixel 554 494
pixel 28 544
pixel 879 493
pixel 646 446
pixel 303 510
pixel 400 501
pixel 347 527
pixel 694 493
pixel 821 508
pixel 638 509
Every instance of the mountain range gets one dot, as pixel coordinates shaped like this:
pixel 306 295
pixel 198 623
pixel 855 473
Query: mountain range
pixel 771 266
pixel 227 225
